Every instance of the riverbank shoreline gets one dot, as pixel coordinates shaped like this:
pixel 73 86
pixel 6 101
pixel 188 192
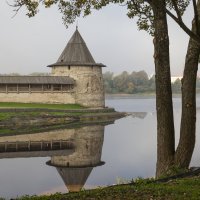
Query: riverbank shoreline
pixel 139 95
pixel 15 121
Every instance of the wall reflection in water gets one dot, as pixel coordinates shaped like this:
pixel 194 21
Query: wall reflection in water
pixel 74 152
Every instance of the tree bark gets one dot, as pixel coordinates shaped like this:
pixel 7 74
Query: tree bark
pixel 188 121
pixel 164 106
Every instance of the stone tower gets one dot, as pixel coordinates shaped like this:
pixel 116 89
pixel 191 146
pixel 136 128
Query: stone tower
pixel 76 167
pixel 77 62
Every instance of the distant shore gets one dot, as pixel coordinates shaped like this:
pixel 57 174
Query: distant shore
pixel 139 95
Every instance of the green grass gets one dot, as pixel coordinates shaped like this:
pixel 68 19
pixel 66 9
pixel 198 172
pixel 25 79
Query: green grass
pixel 182 189
pixel 8 115
pixel 5 116
pixel 38 105
pixel 10 121
pixel 5 131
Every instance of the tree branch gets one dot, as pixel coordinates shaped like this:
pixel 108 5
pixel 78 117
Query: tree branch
pixel 137 8
pixel 16 6
pixel 177 10
pixel 184 27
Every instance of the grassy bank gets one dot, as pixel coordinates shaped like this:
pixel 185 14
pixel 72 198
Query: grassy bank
pixel 39 105
pixel 17 118
pixel 182 189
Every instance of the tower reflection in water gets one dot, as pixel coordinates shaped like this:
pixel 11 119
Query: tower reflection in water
pixel 74 152
pixel 76 167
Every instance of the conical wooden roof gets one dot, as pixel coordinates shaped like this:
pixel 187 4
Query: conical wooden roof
pixel 76 53
pixel 74 178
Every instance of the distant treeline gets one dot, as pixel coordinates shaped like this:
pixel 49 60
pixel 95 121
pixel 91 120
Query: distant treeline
pixel 136 82
pixel 32 74
pixel 126 83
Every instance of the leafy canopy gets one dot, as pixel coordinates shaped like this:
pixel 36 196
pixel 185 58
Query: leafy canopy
pixel 71 9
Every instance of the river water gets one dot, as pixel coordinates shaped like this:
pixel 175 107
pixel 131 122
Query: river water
pixel 104 155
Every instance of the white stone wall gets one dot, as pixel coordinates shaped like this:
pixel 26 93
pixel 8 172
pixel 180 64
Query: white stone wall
pixel 64 134
pixel 62 98
pixel 89 89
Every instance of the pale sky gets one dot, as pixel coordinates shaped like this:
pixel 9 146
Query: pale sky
pixel 30 44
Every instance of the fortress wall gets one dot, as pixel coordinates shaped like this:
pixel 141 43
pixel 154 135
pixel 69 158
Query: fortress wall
pixel 45 136
pixel 62 98
pixel 89 88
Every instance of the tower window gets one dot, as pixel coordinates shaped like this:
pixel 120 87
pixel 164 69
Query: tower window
pixel 69 67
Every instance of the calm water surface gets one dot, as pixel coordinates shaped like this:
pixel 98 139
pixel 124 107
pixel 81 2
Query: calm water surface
pixel 128 148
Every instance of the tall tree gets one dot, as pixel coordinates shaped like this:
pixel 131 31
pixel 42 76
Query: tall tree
pixel 164 106
pixel 188 120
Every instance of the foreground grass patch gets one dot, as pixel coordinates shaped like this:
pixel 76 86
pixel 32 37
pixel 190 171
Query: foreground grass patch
pixel 38 105
pixel 183 189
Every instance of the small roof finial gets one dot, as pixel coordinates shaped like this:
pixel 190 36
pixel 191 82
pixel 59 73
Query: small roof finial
pixel 77 25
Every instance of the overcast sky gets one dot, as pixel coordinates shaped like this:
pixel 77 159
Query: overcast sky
pixel 30 44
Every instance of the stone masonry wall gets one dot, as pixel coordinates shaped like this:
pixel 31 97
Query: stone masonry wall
pixel 89 89
pixel 45 136
pixel 62 98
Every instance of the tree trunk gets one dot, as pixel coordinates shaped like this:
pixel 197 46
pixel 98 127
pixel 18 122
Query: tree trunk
pixel 188 121
pixel 164 106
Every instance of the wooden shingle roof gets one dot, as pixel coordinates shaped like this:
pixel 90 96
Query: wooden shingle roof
pixel 74 178
pixel 76 53
pixel 65 80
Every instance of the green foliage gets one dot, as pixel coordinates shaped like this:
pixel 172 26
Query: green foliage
pixel 71 9
pixel 142 181
pixel 108 82
pixel 181 4
pixel 30 5
pixel 143 11
pixel 176 86
pixel 136 82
